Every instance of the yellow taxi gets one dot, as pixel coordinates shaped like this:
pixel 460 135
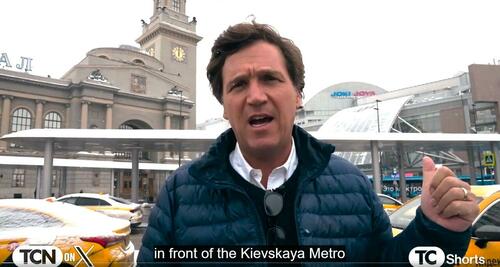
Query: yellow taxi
pixel 109 205
pixel 485 241
pixel 390 204
pixel 82 236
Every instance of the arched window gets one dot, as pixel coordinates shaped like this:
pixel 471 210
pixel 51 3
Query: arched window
pixel 138 61
pixel 21 120
pixel 127 155
pixel 103 56
pixel 52 121
pixel 127 127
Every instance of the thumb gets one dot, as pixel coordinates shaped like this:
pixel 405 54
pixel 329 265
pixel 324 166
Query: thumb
pixel 428 171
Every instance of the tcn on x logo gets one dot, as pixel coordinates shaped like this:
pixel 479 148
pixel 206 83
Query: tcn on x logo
pixel 84 256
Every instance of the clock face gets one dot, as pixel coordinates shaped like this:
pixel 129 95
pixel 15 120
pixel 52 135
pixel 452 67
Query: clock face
pixel 179 54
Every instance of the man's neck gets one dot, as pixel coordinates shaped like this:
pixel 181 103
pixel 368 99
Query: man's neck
pixel 267 161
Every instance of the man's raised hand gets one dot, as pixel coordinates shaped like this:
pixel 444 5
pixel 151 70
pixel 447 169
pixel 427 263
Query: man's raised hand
pixel 447 200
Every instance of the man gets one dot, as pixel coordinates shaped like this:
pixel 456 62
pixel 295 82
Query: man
pixel 268 182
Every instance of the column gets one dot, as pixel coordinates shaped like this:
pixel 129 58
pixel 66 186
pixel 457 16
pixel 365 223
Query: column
pixel 39 175
pixel 112 189
pixel 168 123
pixel 75 113
pixel 496 151
pixel 472 167
pixel 165 155
pixel 377 179
pixel 45 184
pixel 68 116
pixel 185 121
pixel 135 175
pixel 84 119
pixel 402 178
pixel 4 126
pixel 39 113
pixel 109 116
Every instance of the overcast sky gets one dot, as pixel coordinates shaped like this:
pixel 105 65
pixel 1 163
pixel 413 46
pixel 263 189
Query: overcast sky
pixel 391 44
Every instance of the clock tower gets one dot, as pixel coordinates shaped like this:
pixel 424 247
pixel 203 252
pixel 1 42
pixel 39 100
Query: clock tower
pixel 170 36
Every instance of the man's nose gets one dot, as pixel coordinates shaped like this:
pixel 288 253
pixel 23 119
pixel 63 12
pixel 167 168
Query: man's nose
pixel 256 93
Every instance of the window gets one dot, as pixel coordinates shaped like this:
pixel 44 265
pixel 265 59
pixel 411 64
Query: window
pixel 86 201
pixel 18 178
pixel 386 200
pixel 176 5
pixel 490 217
pixel 126 127
pixel 17 218
pixel 56 177
pixel 138 61
pixel 70 200
pixel 52 121
pixel 21 120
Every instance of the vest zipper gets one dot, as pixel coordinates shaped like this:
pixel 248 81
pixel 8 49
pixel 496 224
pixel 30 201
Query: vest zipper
pixel 224 185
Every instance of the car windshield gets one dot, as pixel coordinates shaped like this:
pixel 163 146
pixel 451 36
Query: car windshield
pixel 121 200
pixel 404 215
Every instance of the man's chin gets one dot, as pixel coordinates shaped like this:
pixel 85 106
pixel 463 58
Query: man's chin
pixel 263 149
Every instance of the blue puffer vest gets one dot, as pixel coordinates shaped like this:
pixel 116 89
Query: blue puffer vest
pixel 335 205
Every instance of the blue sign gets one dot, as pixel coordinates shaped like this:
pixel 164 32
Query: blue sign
pixel 341 94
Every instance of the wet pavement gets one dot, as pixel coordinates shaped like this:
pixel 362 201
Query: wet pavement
pixel 138 232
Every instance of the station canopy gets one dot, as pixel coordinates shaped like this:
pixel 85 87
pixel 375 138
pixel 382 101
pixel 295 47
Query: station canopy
pixel 363 119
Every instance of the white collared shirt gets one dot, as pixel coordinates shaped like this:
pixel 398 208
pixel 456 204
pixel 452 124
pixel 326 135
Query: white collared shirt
pixel 277 177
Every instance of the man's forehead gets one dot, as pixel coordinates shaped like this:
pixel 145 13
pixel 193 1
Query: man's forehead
pixel 258 57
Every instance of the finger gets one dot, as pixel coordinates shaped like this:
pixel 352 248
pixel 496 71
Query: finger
pixel 447 184
pixel 428 171
pixel 440 174
pixel 452 194
pixel 466 210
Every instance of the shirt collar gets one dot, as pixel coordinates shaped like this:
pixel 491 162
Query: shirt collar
pixel 277 177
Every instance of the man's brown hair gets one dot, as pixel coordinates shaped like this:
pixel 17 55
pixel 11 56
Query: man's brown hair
pixel 241 35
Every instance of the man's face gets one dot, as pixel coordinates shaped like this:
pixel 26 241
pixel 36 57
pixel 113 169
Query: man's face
pixel 259 99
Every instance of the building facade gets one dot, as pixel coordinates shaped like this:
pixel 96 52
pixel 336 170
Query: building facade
pixel 465 103
pixel 148 87
pixel 331 100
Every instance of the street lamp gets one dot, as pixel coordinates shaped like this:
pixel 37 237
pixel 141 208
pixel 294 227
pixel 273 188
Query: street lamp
pixel 378 119
pixel 378 130
pixel 178 92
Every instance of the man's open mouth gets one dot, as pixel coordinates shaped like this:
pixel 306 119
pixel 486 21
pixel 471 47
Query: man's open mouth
pixel 256 121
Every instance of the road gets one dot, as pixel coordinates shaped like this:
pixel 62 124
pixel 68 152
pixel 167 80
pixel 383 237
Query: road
pixel 137 233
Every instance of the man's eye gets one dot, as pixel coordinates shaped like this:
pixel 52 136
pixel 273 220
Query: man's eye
pixel 238 84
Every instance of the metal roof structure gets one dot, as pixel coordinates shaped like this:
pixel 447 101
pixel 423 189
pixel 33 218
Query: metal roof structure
pixel 50 140
pixel 82 163
pixel 199 140
pixel 368 118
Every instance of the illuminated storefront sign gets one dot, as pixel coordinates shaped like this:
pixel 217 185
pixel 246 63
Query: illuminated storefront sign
pixel 346 94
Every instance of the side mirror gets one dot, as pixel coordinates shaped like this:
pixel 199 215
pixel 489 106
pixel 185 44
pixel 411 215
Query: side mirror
pixel 487 233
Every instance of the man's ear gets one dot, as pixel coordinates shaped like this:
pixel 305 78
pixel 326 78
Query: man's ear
pixel 224 115
pixel 298 101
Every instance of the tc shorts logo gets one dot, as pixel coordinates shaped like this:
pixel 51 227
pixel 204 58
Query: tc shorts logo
pixel 426 256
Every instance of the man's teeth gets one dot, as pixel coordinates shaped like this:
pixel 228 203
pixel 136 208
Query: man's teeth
pixel 260 120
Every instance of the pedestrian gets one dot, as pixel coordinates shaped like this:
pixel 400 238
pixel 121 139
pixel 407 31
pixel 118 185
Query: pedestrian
pixel 268 182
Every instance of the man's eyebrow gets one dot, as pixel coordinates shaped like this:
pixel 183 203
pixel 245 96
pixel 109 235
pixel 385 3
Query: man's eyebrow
pixel 271 72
